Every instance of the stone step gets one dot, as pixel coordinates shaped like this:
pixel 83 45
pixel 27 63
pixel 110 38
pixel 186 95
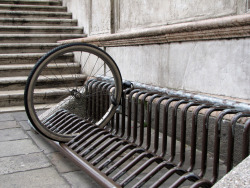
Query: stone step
pixel 11 7
pixel 25 69
pixel 29 58
pixel 35 14
pixel 42 96
pixel 40 30
pixel 9 48
pixel 11 109
pixel 32 2
pixel 21 108
pixel 28 30
pixel 38 22
pixel 18 82
pixel 37 38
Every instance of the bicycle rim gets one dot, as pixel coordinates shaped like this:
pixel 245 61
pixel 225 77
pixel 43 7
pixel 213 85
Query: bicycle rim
pixel 79 80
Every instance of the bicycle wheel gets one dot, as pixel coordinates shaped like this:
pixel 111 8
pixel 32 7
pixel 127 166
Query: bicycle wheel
pixel 68 79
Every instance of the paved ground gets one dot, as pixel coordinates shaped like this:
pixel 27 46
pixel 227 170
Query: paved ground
pixel 27 160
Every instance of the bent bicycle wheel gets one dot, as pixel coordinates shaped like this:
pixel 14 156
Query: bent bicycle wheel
pixel 70 82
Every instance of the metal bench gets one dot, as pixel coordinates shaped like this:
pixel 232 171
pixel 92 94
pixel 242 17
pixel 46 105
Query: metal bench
pixel 157 138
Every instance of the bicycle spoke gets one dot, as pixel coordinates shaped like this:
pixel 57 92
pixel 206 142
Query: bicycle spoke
pixel 94 67
pixel 70 80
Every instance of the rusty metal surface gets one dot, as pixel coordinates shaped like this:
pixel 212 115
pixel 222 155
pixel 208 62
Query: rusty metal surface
pixel 156 140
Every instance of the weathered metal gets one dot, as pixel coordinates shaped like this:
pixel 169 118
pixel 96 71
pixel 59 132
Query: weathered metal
pixel 155 139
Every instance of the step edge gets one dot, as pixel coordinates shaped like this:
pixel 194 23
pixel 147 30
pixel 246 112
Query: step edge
pixel 36 12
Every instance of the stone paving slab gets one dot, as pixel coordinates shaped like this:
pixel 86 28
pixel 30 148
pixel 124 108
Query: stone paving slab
pixel 45 177
pixel 237 177
pixel 79 179
pixel 6 117
pixel 41 142
pixel 28 160
pixel 62 164
pixel 8 124
pixel 20 116
pixel 22 163
pixel 17 147
pixel 25 125
pixel 12 134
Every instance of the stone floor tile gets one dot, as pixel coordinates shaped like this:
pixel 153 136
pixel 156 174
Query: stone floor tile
pixel 20 116
pixel 22 163
pixel 6 117
pixel 45 177
pixel 25 125
pixel 8 124
pixel 41 142
pixel 12 134
pixel 237 177
pixel 17 147
pixel 62 163
pixel 79 179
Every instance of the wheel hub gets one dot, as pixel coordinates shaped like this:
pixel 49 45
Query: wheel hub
pixel 75 93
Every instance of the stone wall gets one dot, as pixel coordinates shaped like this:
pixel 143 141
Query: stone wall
pixel 217 67
pixel 220 67
pixel 159 12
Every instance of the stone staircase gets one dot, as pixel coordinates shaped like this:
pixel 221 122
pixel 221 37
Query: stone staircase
pixel 28 29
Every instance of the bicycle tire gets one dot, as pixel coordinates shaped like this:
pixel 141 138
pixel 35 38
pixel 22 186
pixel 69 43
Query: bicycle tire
pixel 60 80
